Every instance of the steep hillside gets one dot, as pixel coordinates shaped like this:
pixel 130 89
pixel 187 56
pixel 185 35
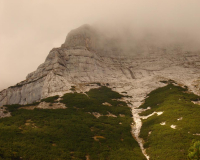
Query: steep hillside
pixel 92 126
pixel 169 135
pixel 81 82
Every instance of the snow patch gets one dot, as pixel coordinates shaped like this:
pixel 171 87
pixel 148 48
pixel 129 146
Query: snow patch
pixel 149 132
pixel 136 127
pixel 180 118
pixel 163 123
pixel 173 126
pixel 196 134
pixel 158 113
pixel 96 114
pixel 196 102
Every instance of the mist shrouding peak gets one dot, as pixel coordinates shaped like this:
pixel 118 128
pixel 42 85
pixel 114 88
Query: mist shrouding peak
pixel 84 36
pixel 45 24
pixel 128 40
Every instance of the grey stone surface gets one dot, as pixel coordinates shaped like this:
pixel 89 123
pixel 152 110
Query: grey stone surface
pixel 81 61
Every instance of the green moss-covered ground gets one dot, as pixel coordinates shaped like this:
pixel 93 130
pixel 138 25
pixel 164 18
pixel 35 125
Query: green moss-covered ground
pixel 165 143
pixel 71 133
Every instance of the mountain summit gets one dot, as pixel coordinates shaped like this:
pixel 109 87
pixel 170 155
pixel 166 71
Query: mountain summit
pixel 84 36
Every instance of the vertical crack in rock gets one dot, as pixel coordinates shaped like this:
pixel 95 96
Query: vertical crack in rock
pixel 132 75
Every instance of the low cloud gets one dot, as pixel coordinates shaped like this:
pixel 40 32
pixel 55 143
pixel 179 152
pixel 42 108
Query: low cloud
pixel 29 30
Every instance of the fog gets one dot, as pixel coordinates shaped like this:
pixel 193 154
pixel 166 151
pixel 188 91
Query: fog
pixel 30 29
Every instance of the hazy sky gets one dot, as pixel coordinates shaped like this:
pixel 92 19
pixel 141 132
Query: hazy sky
pixel 30 29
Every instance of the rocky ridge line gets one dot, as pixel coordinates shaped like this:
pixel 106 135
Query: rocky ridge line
pixel 79 61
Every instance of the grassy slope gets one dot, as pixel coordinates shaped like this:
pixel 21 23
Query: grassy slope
pixel 164 142
pixel 68 133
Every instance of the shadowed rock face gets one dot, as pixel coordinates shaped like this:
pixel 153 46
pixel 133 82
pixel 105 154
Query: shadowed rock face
pixel 82 59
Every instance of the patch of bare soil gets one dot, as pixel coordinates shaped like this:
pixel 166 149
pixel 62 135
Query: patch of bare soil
pixel 96 138
pixel 106 104
pixel 4 113
pixel 45 105
pixel 97 115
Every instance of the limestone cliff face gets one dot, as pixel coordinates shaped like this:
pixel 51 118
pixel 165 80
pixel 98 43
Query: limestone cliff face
pixel 80 61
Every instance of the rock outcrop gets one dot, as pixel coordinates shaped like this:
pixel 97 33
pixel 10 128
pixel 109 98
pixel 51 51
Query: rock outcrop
pixel 82 60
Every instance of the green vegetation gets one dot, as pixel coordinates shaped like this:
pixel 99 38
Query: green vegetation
pixel 165 142
pixel 164 81
pixel 50 99
pixel 194 151
pixel 170 81
pixel 92 101
pixel 72 133
pixel 73 88
pixel 124 92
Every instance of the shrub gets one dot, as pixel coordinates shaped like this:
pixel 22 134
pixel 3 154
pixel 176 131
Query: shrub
pixel 50 99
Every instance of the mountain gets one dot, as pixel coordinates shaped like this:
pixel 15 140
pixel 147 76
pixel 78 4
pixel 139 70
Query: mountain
pixel 95 75
pixel 87 56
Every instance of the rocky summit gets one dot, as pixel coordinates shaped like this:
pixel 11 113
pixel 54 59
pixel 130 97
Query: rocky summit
pixel 87 57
